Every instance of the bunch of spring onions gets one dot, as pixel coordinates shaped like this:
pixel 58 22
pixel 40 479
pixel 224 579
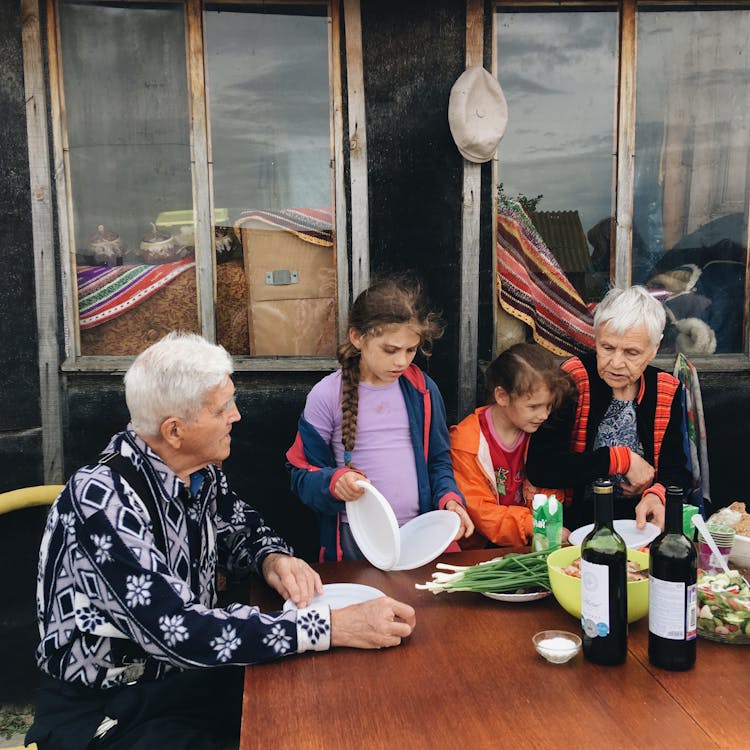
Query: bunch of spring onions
pixel 513 573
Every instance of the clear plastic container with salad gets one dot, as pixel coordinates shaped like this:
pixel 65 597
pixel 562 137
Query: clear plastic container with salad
pixel 724 607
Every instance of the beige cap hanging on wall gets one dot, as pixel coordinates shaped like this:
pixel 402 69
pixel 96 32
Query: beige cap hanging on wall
pixel 477 114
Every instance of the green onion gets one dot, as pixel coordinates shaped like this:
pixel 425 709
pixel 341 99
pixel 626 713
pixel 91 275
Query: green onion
pixel 503 575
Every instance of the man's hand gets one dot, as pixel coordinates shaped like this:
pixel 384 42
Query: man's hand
pixel 638 477
pixel 346 488
pixel 649 509
pixel 377 623
pixel 467 526
pixel 293 578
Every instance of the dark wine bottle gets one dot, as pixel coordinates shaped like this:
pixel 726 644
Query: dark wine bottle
pixel 673 606
pixel 604 603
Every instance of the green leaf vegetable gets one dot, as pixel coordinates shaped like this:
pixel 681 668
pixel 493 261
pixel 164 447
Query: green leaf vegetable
pixel 511 574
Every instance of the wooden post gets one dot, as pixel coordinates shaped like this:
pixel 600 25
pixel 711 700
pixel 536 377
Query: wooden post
pixel 202 183
pixel 339 186
pixel 357 147
pixel 470 236
pixel 44 248
pixel 625 149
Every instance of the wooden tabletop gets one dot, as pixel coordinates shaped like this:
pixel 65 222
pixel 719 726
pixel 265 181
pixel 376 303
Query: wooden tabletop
pixel 469 677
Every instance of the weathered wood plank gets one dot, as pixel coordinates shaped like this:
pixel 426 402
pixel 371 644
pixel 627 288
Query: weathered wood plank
pixel 470 236
pixel 44 241
pixel 339 188
pixel 118 365
pixel 625 149
pixel 200 161
pixel 357 147
pixel 61 172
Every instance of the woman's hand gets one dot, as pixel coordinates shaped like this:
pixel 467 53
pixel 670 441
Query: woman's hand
pixel 293 578
pixel 650 508
pixel 346 487
pixel 466 529
pixel 638 477
pixel 377 623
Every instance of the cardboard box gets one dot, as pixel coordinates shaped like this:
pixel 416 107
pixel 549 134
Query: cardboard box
pixel 291 294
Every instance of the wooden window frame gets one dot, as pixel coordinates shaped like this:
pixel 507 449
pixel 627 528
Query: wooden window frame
pixel 202 183
pixel 624 152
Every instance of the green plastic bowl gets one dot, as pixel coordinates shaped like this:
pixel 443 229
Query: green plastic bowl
pixel 567 589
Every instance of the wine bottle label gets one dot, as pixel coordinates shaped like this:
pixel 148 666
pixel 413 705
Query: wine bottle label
pixel 594 599
pixel 672 609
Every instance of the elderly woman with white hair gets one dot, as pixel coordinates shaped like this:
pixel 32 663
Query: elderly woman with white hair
pixel 624 422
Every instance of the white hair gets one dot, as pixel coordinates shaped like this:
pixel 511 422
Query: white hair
pixel 625 309
pixel 171 379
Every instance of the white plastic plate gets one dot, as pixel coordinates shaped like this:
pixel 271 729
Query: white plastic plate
pixel 626 528
pixel 338 595
pixel 374 527
pixel 531 596
pixel 425 537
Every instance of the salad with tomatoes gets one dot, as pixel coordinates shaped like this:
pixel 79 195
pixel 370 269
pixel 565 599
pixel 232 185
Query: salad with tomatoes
pixel 724 607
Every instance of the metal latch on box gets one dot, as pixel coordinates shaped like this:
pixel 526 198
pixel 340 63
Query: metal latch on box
pixel 281 277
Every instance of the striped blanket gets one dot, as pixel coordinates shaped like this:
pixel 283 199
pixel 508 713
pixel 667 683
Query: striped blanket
pixel 309 224
pixel 533 288
pixel 104 292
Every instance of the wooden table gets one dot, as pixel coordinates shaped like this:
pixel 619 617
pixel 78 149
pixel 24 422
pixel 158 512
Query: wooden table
pixel 469 678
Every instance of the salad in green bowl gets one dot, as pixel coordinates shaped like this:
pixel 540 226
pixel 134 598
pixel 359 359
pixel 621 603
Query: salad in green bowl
pixel 724 607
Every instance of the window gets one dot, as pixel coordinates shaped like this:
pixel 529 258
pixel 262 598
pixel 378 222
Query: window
pixel 199 174
pixel 635 168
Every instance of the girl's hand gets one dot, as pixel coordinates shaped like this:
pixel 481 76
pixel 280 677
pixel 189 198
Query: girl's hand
pixel 467 527
pixel 346 488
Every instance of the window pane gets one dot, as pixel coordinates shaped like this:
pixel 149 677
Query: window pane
pixel 557 70
pixel 269 105
pixel 126 107
pixel 129 161
pixel 692 156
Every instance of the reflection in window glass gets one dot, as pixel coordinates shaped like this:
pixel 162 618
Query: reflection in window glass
pixel 125 93
pixel 558 73
pixel 691 188
pixel 269 107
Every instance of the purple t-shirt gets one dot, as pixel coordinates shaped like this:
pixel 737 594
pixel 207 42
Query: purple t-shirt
pixel 383 448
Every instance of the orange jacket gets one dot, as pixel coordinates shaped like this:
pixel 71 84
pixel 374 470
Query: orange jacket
pixel 505 525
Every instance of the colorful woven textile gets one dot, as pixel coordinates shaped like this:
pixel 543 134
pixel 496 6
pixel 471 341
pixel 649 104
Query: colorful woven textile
pixel 104 292
pixel 533 288
pixel 694 437
pixel 309 224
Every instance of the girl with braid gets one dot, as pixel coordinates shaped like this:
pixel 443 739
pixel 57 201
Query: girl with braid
pixel 379 418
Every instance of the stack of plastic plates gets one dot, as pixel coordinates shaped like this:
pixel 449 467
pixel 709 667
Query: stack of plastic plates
pixel 388 547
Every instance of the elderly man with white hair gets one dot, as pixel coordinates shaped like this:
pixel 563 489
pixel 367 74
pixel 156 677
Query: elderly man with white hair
pixel 624 423
pixel 134 650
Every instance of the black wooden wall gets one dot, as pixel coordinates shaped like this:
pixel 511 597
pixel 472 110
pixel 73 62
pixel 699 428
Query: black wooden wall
pixel 413 53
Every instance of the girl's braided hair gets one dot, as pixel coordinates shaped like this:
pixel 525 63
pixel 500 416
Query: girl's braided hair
pixel 390 301
pixel 522 368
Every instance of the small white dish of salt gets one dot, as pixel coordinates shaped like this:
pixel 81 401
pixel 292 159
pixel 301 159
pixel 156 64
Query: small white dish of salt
pixel 557 646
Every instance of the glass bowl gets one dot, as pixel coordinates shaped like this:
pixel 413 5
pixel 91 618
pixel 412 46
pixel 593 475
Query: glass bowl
pixel 557 646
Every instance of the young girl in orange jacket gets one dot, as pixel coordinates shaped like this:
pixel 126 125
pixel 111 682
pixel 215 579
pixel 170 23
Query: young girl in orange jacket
pixel 488 448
